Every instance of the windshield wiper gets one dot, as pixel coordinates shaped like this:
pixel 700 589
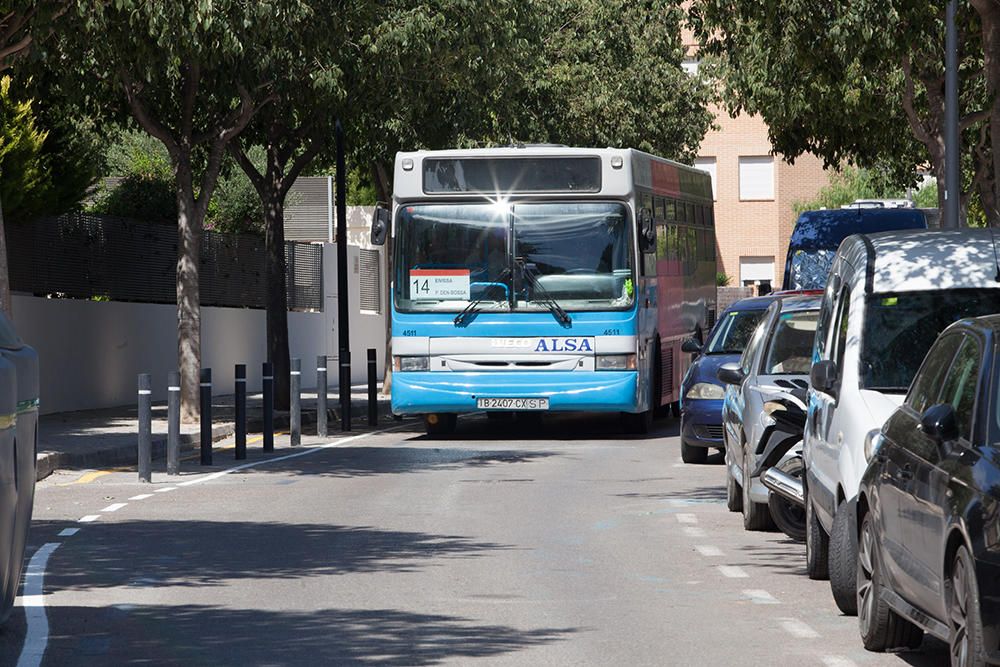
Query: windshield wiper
pixel 546 299
pixel 473 306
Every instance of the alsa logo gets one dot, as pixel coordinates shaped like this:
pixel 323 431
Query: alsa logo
pixel 563 345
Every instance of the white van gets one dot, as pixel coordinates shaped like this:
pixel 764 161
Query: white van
pixel 888 297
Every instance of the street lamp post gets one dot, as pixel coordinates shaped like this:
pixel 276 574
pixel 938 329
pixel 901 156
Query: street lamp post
pixel 952 148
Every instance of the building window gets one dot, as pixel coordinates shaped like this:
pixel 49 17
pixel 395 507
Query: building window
pixel 690 65
pixel 757 178
pixel 707 164
pixel 757 271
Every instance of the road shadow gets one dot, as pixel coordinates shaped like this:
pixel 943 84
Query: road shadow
pixel 150 553
pixel 213 635
pixel 698 494
pixel 563 426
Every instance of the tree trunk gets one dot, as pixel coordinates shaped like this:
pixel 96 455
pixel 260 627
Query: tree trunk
pixel 383 187
pixel 189 224
pixel 276 298
pixel 6 305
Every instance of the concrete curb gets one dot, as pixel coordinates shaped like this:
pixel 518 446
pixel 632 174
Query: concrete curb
pixel 127 455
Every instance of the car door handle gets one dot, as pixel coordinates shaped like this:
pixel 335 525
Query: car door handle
pixel 906 474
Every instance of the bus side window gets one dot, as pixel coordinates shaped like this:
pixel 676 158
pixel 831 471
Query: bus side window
pixel 670 214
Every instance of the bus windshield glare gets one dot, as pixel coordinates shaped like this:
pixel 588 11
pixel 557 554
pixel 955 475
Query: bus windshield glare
pixel 514 257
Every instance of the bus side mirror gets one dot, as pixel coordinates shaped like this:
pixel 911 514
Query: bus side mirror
pixel 647 231
pixel 380 224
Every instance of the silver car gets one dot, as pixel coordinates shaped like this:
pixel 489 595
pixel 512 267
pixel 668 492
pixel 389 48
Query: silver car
pixel 775 362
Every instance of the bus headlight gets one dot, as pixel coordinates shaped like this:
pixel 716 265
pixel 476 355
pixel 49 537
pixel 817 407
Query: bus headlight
pixel 615 362
pixel 410 364
pixel 873 441
pixel 705 390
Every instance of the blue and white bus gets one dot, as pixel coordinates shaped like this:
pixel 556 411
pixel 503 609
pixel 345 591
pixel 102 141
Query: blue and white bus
pixel 545 279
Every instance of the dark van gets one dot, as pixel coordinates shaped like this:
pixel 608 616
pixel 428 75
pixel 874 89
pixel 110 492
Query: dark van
pixel 818 234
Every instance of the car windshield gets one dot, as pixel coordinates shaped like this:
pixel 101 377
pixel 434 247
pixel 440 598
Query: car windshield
pixel 899 329
pixel 809 269
pixel 520 257
pixel 733 332
pixel 789 351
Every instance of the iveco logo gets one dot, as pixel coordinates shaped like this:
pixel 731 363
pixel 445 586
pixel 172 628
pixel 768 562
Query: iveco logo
pixel 512 342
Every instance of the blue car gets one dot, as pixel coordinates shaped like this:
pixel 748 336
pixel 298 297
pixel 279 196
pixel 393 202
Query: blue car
pixel 701 391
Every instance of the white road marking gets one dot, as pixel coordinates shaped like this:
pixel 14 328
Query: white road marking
pixel 141 496
pixel 37 635
pixel 68 532
pixel 758 596
pixel 797 628
pixel 838 661
pixel 114 507
pixel 686 518
pixel 307 451
pixel 691 531
pixel 165 489
pixel 708 551
pixel 732 571
pixel 89 518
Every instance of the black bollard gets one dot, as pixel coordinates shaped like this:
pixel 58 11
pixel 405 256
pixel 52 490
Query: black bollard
pixel 206 416
pixel 173 423
pixel 268 386
pixel 321 390
pixel 295 416
pixel 145 429
pixel 241 412
pixel 372 387
pixel 345 390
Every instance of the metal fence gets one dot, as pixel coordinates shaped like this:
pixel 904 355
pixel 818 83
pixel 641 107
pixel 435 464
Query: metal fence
pixel 84 256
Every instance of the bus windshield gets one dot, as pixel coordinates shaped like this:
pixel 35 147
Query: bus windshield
pixel 513 257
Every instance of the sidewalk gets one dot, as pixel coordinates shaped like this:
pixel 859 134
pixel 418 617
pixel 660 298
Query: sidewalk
pixel 105 438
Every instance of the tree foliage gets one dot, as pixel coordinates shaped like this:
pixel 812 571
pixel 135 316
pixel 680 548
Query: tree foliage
pixel 861 82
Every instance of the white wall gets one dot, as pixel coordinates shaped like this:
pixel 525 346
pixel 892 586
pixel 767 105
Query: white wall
pixel 91 352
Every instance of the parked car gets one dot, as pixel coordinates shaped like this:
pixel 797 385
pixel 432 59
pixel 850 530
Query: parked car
pixel 818 234
pixel 18 449
pixel 776 360
pixel 929 503
pixel 888 297
pixel 701 390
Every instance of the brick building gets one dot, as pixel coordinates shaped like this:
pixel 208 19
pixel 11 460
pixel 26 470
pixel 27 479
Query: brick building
pixel 754 193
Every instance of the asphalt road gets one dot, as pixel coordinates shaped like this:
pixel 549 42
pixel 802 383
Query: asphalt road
pixel 511 543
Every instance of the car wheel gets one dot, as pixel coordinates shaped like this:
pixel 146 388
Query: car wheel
pixel 693 453
pixel 756 516
pixel 881 628
pixel 817 546
pixel 734 494
pixel 789 517
pixel 962 592
pixel 843 563
pixel 440 424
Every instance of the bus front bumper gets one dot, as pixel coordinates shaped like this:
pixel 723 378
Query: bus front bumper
pixel 416 393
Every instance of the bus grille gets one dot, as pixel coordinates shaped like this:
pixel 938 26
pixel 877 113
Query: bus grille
pixel 667 372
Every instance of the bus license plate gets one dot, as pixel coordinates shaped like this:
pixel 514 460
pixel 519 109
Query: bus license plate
pixel 512 403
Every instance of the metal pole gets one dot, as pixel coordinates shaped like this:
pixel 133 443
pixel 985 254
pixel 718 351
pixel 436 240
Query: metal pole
pixel 173 423
pixel 145 429
pixel 952 145
pixel 321 391
pixel 268 386
pixel 372 386
pixel 206 416
pixel 345 390
pixel 343 312
pixel 241 412
pixel 295 418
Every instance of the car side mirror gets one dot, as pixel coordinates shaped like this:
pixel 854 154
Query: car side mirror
pixel 730 374
pixel 380 224
pixel 823 376
pixel 647 231
pixel 938 422
pixel 691 345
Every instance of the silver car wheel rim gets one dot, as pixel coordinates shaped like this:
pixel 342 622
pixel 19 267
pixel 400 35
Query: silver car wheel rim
pixel 959 613
pixel 866 589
